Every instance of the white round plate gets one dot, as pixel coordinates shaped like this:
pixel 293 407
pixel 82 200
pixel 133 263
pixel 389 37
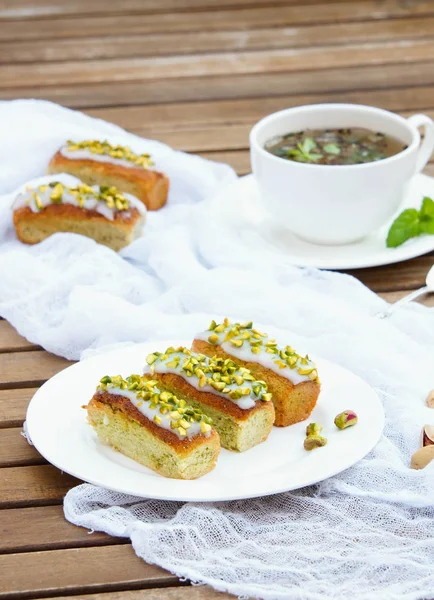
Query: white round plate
pixel 240 202
pixel 57 426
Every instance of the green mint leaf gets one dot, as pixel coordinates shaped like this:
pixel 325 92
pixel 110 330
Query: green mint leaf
pixel 315 157
pixel 427 216
pixel 427 208
pixel 427 225
pixel 331 148
pixel 404 227
pixel 307 145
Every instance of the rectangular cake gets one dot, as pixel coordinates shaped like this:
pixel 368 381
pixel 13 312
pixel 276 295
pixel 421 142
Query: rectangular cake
pixel 101 213
pixel 240 407
pixel 153 427
pixel 101 163
pixel 292 379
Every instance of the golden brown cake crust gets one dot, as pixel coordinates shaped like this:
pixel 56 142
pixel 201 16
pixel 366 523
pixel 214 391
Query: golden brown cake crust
pixel 292 403
pixel 33 227
pixel 149 186
pixel 173 381
pixel 180 445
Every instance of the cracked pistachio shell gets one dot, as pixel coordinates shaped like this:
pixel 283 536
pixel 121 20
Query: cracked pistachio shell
pixel 422 457
pixel 430 399
pixel 427 436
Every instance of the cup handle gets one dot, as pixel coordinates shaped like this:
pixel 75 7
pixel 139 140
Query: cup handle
pixel 427 146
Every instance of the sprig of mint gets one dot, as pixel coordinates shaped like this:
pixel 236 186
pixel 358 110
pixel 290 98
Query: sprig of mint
pixel 303 152
pixel 411 223
pixel 332 148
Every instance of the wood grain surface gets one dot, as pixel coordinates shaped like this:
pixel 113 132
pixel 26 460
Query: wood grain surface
pixel 27 369
pixel 44 528
pixel 179 593
pixel 195 74
pixel 77 570
pixel 13 405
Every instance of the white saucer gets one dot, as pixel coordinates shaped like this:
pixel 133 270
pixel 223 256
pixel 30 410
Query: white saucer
pixel 57 426
pixel 241 203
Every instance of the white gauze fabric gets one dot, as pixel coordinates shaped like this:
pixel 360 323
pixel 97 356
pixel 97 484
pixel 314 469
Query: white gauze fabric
pixel 365 534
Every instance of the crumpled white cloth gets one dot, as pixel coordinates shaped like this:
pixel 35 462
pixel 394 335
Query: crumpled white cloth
pixel 365 534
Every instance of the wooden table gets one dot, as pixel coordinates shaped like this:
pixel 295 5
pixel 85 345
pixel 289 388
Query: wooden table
pixel 195 74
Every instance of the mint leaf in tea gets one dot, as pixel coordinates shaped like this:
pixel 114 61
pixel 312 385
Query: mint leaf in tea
pixel 352 146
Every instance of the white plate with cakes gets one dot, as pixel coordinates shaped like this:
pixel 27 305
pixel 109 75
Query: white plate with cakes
pixel 58 426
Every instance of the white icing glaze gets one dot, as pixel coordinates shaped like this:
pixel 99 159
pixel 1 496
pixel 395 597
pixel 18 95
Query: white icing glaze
pixel 83 154
pixel 245 402
pixel 27 198
pixel 144 407
pixel 263 358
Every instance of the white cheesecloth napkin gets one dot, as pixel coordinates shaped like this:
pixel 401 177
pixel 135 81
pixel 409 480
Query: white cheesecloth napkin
pixel 365 534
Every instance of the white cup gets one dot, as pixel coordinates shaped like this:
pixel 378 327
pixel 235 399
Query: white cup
pixel 337 204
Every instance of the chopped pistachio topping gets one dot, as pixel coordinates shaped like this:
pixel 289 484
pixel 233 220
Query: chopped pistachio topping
pixel 243 335
pixel 180 415
pixel 223 375
pixel 104 148
pixel 59 193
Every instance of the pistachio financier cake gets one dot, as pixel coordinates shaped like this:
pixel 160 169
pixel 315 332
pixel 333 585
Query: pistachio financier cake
pixel 239 406
pixel 292 379
pixel 153 427
pixel 101 163
pixel 101 213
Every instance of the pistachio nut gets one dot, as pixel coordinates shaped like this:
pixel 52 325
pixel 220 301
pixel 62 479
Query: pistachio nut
pixel 345 419
pixel 239 334
pixel 223 375
pixel 105 148
pixel 314 441
pixel 180 416
pixel 313 429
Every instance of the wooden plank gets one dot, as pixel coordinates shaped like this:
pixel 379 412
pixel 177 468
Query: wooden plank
pixel 13 406
pixel 238 159
pixel 159 117
pixel 429 170
pixel 78 570
pixel 33 486
pixel 407 275
pixel 223 64
pixel 11 340
pixel 426 300
pixel 225 19
pixel 29 369
pixel 15 451
pixel 230 87
pixel 216 137
pixel 203 138
pixel 212 41
pixel 202 592
pixel 45 528
pixel 28 9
